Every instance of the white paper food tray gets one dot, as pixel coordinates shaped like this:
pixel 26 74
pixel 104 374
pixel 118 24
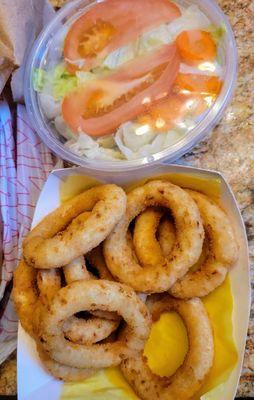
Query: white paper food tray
pixel 34 383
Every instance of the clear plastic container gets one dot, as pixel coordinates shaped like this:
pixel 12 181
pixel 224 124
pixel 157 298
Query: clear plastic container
pixel 40 57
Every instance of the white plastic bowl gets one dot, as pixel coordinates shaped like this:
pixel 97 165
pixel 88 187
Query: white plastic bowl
pixel 55 142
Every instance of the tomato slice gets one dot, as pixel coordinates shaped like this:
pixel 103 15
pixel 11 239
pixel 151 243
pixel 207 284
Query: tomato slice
pixel 161 116
pixel 102 106
pixel 196 46
pixel 142 65
pixel 165 115
pixel 202 84
pixel 112 24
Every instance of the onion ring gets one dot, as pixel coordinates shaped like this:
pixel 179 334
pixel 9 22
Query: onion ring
pixel 67 233
pixel 149 250
pixel 30 305
pixel 89 331
pixel 145 243
pixel 88 296
pixel 187 247
pixel 188 379
pixel 63 372
pixel 96 258
pixel 76 270
pixel 222 252
pixel 92 330
pixel 166 236
pixel 48 282
pixel 25 295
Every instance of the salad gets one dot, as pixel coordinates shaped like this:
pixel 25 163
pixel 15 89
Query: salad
pixel 127 79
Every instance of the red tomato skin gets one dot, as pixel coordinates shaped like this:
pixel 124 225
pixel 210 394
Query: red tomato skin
pixel 130 18
pixel 72 109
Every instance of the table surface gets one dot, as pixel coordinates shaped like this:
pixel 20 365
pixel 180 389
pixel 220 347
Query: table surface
pixel 228 149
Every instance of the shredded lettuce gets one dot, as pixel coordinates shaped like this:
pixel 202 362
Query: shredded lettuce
pixel 135 135
pixel 62 128
pixel 39 79
pixel 86 146
pixel 130 142
pixel 120 56
pixel 49 105
pixel 58 82
pixel 217 32
pixel 83 77
pixel 191 18
pixel 106 141
pixel 63 82
pixel 134 146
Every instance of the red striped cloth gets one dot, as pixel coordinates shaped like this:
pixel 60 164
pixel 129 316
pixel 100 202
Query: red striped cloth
pixel 24 166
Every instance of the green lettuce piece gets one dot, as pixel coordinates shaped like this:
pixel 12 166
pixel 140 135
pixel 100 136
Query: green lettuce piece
pixel 39 79
pixel 58 82
pixel 62 82
pixel 217 32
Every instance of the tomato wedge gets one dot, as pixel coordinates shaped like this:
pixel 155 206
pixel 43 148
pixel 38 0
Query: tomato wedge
pixel 103 105
pixel 161 116
pixel 165 115
pixel 142 65
pixel 110 25
pixel 196 46
pixel 202 84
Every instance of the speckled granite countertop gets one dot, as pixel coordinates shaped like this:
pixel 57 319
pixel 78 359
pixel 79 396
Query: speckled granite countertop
pixel 230 150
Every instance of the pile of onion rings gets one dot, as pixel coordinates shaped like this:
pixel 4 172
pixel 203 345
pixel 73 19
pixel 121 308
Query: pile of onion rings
pixel 78 289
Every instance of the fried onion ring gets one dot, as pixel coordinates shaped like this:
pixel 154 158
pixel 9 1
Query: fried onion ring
pixel 188 379
pixel 166 236
pixel 88 296
pixel 145 243
pixel 63 372
pixel 187 248
pixel 25 295
pixel 88 331
pixel 31 303
pixel 76 270
pixel 149 250
pixel 48 282
pixel 96 258
pixel 222 252
pixel 67 233
pixel 92 330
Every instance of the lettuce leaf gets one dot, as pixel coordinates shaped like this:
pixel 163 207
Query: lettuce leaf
pixel 39 79
pixel 63 82
pixel 217 32
pixel 58 82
